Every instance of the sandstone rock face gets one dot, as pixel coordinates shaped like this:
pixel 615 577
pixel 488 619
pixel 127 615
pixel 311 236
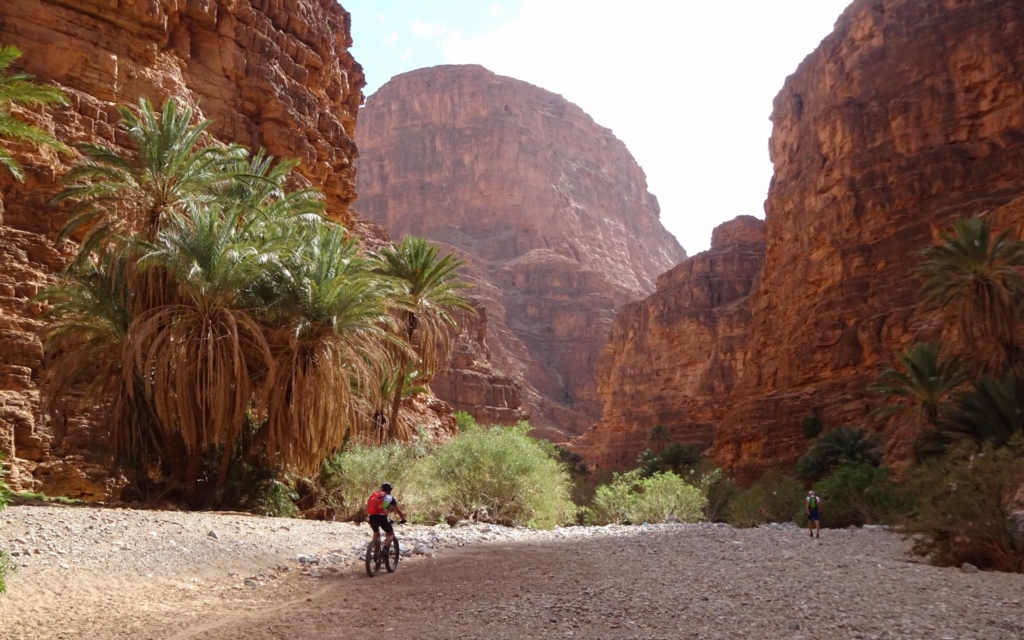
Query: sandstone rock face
pixel 909 114
pixel 674 357
pixel 275 74
pixel 550 209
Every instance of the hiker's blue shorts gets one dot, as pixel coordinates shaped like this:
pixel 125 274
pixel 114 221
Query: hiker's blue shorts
pixel 814 516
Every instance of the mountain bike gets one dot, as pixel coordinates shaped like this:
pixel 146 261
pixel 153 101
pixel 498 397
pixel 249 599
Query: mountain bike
pixel 376 556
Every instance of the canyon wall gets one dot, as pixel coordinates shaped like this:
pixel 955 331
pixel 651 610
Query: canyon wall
pixel 673 358
pixel 271 73
pixel 909 114
pixel 550 210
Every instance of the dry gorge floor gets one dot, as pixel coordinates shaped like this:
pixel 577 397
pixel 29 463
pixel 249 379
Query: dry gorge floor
pixel 112 573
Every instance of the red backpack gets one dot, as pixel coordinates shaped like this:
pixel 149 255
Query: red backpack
pixel 375 506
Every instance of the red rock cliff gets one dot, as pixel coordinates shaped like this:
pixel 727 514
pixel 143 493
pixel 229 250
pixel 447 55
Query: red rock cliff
pixel 551 206
pixel 673 358
pixel 910 113
pixel 276 74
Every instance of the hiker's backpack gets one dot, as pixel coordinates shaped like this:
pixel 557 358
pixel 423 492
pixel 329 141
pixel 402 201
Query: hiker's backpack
pixel 375 506
pixel 812 502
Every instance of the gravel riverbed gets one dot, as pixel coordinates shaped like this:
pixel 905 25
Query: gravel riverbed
pixel 118 573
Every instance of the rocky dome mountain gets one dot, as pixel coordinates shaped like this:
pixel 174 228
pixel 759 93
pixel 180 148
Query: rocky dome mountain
pixel 910 114
pixel 549 209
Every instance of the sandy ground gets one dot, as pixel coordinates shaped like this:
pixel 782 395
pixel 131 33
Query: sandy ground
pixel 94 573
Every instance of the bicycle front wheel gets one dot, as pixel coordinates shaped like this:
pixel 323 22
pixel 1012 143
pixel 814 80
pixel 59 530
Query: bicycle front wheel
pixel 373 558
pixel 391 556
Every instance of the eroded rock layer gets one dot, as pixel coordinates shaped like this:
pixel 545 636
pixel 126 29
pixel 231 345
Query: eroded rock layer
pixel 909 114
pixel 673 358
pixel 274 74
pixel 550 206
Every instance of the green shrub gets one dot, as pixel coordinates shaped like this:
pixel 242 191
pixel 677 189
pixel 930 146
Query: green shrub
pixel 496 474
pixel 6 566
pixel 352 475
pixel 632 498
pixel 257 489
pixel 5 492
pixel 858 494
pixel 969 504
pixel 464 421
pixel 812 426
pixel 675 458
pixel 500 474
pixel 5 563
pixel 774 498
pixel 720 492
pixel 844 443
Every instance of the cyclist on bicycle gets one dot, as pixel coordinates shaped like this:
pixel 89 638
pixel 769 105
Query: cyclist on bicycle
pixel 377 508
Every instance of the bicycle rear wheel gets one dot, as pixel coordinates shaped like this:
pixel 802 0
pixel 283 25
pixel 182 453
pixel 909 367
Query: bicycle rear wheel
pixel 373 558
pixel 391 556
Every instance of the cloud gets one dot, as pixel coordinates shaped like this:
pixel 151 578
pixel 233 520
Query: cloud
pixel 407 56
pixel 390 40
pixel 422 29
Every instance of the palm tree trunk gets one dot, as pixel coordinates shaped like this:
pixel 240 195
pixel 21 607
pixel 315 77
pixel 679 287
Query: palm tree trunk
pixel 225 466
pixel 396 403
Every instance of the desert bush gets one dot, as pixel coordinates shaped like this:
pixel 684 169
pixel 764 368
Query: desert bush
pixel 844 443
pixel 858 494
pixel 5 567
pixel 812 426
pixel 774 498
pixel 499 474
pixel 464 421
pixel 633 498
pixel 5 564
pixel 969 507
pixel 257 488
pixel 5 492
pixel 496 474
pixel 352 475
pixel 720 491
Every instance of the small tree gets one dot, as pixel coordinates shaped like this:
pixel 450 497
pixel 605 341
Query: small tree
pixel 992 410
pixel 431 295
pixel 844 443
pixel 970 503
pixel 658 438
pixel 979 278
pixel 812 425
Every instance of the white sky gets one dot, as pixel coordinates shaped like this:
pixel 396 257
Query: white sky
pixel 686 84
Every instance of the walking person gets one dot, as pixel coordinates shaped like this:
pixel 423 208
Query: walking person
pixel 813 513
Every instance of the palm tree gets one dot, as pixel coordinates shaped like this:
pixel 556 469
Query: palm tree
pixel 21 89
pixel 842 444
pixel 130 197
pixel 85 344
pixel 921 385
pixel 658 438
pixel 204 358
pixel 978 277
pixel 425 307
pixel 991 410
pixel 331 331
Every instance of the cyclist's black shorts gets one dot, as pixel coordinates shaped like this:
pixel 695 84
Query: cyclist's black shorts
pixel 381 522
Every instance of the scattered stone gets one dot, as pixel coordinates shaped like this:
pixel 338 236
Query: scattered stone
pixel 967 567
pixel 213 534
pixel 249 582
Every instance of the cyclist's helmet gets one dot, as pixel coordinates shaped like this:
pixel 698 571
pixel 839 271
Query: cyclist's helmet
pixel 386 486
